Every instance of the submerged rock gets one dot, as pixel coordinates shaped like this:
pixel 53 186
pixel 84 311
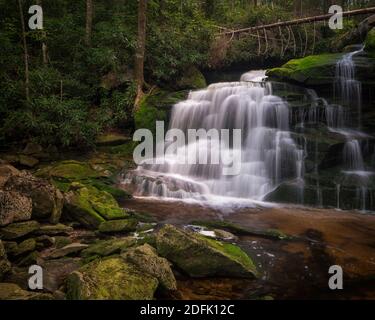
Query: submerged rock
pixel 110 279
pixel 146 259
pixel 202 257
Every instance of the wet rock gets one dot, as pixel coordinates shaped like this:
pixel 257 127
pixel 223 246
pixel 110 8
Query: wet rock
pixel 146 259
pixel 47 200
pixel 110 278
pixel 11 291
pixel 224 235
pixel 70 249
pixel 14 207
pixel 53 230
pixel 118 226
pixel 103 248
pixel 5 265
pixel 202 257
pixel 18 230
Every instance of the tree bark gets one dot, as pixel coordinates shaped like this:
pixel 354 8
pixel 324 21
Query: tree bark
pixel 89 14
pixel 26 55
pixel 300 21
pixel 140 50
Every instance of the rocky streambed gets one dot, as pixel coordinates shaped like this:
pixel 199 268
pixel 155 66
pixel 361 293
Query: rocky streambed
pixel 94 241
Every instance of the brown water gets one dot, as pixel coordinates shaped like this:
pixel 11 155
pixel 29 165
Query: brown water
pixel 291 269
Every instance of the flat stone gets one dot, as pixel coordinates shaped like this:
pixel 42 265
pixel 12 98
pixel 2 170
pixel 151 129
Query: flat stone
pixel 70 249
pixel 18 230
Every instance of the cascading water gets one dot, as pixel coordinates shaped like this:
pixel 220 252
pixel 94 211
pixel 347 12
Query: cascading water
pixel 269 155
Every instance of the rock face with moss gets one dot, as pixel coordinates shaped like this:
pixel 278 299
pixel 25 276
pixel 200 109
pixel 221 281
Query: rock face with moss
pixel 112 279
pixel 91 207
pixel 202 257
pixel 146 259
pixel 311 70
pixel 192 79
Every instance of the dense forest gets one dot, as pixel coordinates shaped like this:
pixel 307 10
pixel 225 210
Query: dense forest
pixel 75 78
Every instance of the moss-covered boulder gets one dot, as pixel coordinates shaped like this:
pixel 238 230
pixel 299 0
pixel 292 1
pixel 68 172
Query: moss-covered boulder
pixel 18 230
pixel 192 79
pixel 311 70
pixel 26 246
pixel 118 226
pixel 46 199
pixel 146 259
pixel 91 207
pixel 11 291
pixel 110 279
pixel 370 42
pixel 202 257
pixel 4 263
pixel 156 107
pixel 103 248
pixel 14 207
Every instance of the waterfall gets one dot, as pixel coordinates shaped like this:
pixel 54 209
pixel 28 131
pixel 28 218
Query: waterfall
pixel 269 155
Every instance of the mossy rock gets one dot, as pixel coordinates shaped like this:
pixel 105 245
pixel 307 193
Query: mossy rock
pixel 26 246
pixel 110 279
pixel 53 230
pixel 103 248
pixel 18 230
pixel 146 259
pixel 118 226
pixel 311 70
pixel 11 291
pixel 68 250
pixel 156 107
pixel 370 43
pixel 70 170
pixel 111 139
pixel 91 207
pixel 192 79
pixel 202 257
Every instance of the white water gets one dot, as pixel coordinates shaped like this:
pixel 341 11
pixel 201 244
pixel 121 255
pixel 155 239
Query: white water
pixel 269 155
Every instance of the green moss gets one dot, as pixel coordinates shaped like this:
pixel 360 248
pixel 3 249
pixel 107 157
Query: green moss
pixel 118 226
pixel 311 70
pixel 18 230
pixel 69 170
pixel 192 79
pixel 370 43
pixel 104 248
pixel 110 279
pixel 111 139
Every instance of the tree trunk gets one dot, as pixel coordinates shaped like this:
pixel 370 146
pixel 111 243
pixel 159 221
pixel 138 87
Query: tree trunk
pixel 26 55
pixel 44 45
pixel 89 14
pixel 140 50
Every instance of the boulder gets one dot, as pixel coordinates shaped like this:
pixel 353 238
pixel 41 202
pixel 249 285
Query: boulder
pixel 5 265
pixel 91 206
pixel 18 230
pixel 110 279
pixel 56 271
pixel 47 200
pixel 118 226
pixel 32 149
pixel 26 246
pixel 27 161
pixel 103 248
pixel 112 139
pixel 146 259
pixel 370 43
pixel 192 79
pixel 11 291
pixel 70 249
pixel 202 257
pixel 6 171
pixel 14 207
